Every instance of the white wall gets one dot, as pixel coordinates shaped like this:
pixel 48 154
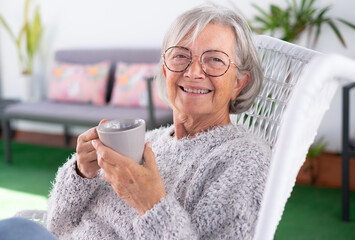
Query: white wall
pixel 114 23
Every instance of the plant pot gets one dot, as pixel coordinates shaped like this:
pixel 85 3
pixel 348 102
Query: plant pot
pixel 27 88
pixel 328 171
pixel 309 172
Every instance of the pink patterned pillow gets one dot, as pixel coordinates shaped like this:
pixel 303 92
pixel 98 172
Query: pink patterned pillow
pixel 130 87
pixel 79 83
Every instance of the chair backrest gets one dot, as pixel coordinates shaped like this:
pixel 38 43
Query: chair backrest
pixel 282 64
pixel 299 85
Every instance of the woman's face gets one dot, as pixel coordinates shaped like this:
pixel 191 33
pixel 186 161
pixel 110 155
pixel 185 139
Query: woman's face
pixel 194 93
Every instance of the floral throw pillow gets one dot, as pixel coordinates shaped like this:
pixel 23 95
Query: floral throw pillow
pixel 79 83
pixel 130 87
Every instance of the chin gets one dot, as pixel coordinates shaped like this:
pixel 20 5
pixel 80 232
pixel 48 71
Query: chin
pixel 191 110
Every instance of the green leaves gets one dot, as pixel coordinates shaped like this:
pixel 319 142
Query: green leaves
pixel 8 29
pixel 317 148
pixel 297 18
pixel 30 35
pixel 34 32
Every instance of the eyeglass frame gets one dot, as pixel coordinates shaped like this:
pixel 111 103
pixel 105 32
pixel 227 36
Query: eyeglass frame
pixel 191 61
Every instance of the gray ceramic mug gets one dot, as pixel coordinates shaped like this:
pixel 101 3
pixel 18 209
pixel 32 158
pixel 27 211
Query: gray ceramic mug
pixel 125 136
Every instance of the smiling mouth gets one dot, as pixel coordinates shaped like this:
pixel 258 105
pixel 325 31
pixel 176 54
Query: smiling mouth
pixel 197 91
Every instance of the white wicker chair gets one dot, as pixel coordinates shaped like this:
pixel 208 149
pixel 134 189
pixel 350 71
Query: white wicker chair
pixel 298 87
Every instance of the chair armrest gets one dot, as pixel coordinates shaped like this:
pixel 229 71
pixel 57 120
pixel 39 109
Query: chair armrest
pixel 34 215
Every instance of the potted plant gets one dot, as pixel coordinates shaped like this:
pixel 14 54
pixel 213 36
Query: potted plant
pixel 310 169
pixel 298 18
pixel 27 42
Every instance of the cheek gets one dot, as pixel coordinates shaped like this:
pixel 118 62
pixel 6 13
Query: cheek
pixel 171 84
pixel 226 87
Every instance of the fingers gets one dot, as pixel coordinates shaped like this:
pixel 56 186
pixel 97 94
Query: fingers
pixel 110 156
pixel 84 148
pixel 88 169
pixel 140 186
pixel 87 156
pixel 86 162
pixel 90 134
pixel 149 157
pixel 87 165
pixel 84 140
pixel 118 169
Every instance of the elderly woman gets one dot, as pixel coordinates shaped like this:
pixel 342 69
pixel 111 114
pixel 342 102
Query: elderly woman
pixel 202 177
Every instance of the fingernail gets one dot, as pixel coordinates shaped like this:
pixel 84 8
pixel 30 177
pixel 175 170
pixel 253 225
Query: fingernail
pixel 102 121
pixel 149 144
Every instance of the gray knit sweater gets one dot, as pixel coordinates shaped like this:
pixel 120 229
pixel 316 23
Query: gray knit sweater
pixel 214 184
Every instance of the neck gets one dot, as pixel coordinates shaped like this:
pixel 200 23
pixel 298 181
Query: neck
pixel 187 125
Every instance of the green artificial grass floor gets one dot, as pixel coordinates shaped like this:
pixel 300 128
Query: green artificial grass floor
pixel 25 183
pixel 315 213
pixel 311 212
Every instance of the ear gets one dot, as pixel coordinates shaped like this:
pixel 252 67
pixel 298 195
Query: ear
pixel 240 83
pixel 164 70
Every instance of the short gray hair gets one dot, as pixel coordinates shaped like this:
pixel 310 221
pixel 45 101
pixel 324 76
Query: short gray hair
pixel 191 23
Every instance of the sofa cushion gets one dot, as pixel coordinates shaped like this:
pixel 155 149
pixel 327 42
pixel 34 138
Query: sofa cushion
pixel 81 113
pixel 130 86
pixel 84 83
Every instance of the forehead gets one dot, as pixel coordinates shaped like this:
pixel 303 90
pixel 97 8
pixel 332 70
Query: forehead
pixel 212 37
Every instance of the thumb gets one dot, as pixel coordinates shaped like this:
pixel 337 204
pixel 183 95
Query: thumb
pixel 95 128
pixel 149 157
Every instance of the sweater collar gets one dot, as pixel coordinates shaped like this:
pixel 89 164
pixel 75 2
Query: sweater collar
pixel 222 130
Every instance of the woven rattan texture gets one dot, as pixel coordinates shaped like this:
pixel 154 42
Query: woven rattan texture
pixel 281 70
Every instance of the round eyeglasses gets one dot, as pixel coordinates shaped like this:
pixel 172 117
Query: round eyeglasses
pixel 214 63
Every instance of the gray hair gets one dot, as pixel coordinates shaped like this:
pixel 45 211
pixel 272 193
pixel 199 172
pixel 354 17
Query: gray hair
pixel 191 23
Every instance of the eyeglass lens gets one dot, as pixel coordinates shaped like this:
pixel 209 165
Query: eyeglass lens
pixel 214 62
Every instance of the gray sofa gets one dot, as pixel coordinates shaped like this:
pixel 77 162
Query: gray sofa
pixel 88 115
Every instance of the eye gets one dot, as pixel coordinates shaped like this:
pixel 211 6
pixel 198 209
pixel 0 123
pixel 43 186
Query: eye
pixel 215 59
pixel 181 56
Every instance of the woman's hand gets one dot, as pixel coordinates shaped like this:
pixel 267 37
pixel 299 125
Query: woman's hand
pixel 139 185
pixel 87 165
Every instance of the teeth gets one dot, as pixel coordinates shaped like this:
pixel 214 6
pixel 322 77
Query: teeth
pixel 199 91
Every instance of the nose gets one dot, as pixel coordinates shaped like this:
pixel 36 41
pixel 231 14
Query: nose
pixel 195 69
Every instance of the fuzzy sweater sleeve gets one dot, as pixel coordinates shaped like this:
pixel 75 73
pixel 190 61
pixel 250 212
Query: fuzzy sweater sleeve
pixel 166 220
pixel 226 209
pixel 68 199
